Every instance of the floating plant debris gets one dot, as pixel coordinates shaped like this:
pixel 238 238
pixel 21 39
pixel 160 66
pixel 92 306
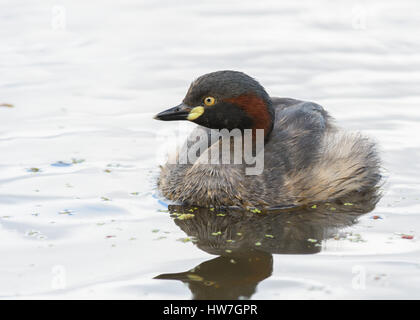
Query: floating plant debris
pixel 34 170
pixel 7 105
pixel 312 240
pixel 269 236
pixel 35 234
pixel 355 237
pixel 185 216
pixel 257 243
pixel 218 233
pixel 407 236
pixel 314 206
pixel 77 161
pixel 66 211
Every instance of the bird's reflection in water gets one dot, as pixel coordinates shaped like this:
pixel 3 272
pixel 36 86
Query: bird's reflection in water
pixel 246 239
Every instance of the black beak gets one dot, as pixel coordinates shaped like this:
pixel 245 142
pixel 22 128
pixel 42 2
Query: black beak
pixel 180 112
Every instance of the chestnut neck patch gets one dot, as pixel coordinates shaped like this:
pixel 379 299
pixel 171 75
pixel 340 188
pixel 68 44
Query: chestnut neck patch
pixel 257 109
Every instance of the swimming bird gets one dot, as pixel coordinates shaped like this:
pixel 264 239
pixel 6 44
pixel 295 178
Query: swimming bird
pixel 306 158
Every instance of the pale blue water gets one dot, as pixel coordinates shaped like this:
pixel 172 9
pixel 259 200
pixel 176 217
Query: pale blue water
pixel 79 213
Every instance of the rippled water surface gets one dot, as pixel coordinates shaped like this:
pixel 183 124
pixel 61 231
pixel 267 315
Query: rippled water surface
pixel 80 216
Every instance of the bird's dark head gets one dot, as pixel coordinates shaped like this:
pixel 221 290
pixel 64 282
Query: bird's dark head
pixel 225 100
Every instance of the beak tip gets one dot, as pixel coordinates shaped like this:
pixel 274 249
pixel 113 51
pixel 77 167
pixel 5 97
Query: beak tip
pixel 179 112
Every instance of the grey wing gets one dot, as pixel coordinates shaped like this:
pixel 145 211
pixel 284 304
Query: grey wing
pixel 283 102
pixel 297 135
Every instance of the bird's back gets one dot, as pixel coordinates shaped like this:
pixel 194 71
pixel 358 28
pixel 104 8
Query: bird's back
pixel 308 159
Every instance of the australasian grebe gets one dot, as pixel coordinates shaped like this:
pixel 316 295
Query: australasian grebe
pixel 306 157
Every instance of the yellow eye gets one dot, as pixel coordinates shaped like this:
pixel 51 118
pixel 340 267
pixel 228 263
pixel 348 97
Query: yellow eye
pixel 209 101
